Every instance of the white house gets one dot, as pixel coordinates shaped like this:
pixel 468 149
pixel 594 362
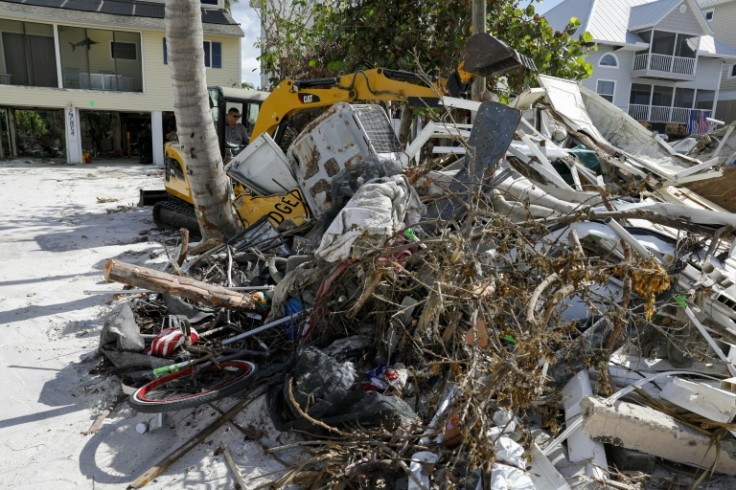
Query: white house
pixel 721 17
pixel 657 60
pixel 90 77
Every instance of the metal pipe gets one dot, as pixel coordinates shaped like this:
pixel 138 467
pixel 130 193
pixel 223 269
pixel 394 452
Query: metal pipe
pixel 274 323
pixel 266 287
pixel 119 291
pixel 627 237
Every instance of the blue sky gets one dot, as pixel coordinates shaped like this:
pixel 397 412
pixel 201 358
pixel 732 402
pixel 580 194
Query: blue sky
pixel 546 5
pixel 244 14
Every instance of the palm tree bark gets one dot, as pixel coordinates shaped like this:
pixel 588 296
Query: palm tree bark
pixel 197 135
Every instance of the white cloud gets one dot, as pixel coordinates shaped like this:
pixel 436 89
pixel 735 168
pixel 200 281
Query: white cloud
pixel 248 20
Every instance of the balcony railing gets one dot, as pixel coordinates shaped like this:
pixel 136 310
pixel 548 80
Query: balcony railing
pixel 693 118
pixel 664 63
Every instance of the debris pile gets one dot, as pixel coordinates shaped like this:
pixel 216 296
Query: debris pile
pixel 538 299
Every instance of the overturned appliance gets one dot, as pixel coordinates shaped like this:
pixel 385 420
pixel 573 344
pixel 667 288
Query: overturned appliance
pixel 343 137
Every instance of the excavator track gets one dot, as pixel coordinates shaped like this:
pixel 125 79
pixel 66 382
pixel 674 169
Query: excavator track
pixel 175 214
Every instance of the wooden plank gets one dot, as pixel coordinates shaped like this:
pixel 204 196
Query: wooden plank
pixel 237 475
pixel 97 424
pixel 719 190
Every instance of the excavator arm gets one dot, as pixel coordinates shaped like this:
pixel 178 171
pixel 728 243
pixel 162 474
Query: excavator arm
pixel 483 55
pixel 292 96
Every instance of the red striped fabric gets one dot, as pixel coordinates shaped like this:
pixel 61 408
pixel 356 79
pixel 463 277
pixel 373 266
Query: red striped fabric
pixel 168 341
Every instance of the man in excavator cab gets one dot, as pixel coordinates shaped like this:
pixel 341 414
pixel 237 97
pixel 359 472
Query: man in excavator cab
pixel 236 134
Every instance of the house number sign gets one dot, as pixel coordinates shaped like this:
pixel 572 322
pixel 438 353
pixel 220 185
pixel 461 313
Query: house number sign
pixel 70 116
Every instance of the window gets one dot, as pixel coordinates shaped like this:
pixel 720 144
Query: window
pixel 27 53
pixel 732 72
pixel 663 42
pixel 686 46
pixel 684 97
pixel 704 99
pixel 709 14
pixel 641 94
pixel 609 60
pixel 605 89
pixel 100 59
pixel 212 54
pixel 662 95
pixel 123 51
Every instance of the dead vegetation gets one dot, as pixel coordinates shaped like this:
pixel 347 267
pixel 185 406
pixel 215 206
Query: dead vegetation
pixel 434 354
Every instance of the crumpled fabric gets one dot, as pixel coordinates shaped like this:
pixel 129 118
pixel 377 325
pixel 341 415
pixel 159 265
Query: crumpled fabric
pixel 121 341
pixel 375 214
pixel 504 477
pixel 509 452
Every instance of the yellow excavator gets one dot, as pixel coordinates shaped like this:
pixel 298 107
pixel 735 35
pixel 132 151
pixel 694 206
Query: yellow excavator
pixel 279 114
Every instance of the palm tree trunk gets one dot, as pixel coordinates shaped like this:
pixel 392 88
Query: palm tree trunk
pixel 197 135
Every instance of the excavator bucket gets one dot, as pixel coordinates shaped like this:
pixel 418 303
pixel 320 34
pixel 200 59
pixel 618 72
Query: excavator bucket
pixel 485 55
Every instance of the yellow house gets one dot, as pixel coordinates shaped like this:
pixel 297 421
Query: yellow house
pixel 90 79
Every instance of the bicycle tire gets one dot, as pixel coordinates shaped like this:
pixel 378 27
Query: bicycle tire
pixel 192 387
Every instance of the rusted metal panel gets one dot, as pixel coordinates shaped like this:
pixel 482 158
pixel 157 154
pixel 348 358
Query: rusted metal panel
pixel 343 136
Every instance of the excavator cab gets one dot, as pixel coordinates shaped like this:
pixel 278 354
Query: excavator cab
pixel 247 102
pixel 175 210
pixel 222 99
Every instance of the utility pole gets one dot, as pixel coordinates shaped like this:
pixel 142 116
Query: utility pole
pixel 478 26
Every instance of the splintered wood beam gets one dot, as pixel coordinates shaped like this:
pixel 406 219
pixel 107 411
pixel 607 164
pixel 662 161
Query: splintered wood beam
pixel 185 287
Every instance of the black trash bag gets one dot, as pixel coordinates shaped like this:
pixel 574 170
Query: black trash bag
pixel 327 390
pixel 122 343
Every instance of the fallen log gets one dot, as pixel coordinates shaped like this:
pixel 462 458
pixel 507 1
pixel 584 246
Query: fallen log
pixel 185 287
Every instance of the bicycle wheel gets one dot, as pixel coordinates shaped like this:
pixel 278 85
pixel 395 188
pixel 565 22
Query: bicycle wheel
pixel 191 386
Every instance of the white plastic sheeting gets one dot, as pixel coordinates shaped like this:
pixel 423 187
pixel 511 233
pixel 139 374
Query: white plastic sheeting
pixel 373 215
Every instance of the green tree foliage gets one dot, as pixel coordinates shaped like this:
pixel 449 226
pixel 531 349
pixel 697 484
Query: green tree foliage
pixel 288 38
pixel 556 53
pixel 405 34
pixel 30 123
pixel 398 34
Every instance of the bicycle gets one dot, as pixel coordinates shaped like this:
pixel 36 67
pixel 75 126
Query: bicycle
pixel 192 383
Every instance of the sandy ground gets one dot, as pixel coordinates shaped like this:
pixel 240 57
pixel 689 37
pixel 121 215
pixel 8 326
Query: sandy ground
pixel 60 224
